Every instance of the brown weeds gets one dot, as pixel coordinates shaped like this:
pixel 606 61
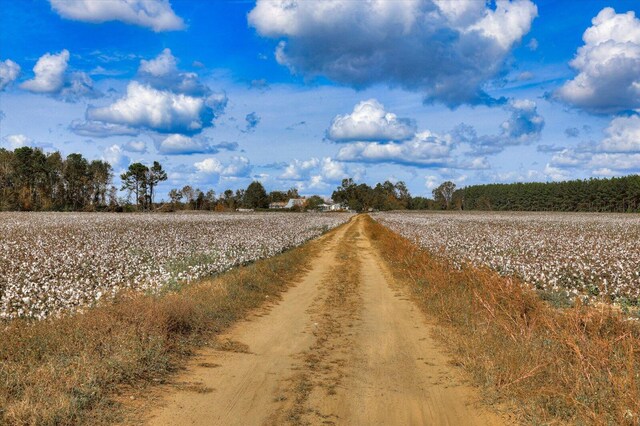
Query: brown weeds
pixel 70 370
pixel 579 365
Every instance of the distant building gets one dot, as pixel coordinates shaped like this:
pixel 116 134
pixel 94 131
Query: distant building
pixel 295 202
pixel 330 207
pixel 277 205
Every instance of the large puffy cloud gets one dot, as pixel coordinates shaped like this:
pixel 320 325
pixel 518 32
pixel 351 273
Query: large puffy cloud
pixel 153 109
pixel 380 138
pixel 155 14
pixel 49 73
pixel 162 99
pixel 238 166
pixel 9 71
pixel 370 122
pixel 608 65
pixel 51 77
pixel 424 150
pixel 445 49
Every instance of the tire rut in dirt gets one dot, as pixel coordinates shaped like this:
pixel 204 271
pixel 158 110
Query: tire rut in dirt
pixel 322 368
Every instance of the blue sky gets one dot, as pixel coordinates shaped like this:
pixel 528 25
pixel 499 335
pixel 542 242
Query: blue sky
pixel 305 93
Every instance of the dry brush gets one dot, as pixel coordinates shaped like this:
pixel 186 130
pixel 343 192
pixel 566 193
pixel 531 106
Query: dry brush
pixel 579 365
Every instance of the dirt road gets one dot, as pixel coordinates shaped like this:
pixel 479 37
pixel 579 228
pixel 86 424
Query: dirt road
pixel 344 346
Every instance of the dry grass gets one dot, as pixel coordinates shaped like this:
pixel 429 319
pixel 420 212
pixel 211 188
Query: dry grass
pixel 70 370
pixel 579 365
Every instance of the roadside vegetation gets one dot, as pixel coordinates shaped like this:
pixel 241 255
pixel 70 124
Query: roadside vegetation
pixel 578 365
pixel 71 370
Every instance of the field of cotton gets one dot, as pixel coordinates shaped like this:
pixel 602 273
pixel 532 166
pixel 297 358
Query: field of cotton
pixel 580 254
pixel 54 262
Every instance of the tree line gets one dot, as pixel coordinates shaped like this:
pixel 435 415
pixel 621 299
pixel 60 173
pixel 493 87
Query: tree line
pixel 33 180
pixel 253 197
pixel 618 194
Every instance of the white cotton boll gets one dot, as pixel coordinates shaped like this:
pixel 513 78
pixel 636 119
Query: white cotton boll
pixel 131 251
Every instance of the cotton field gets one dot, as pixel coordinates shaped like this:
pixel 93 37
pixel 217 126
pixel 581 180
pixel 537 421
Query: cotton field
pixel 581 254
pixel 53 262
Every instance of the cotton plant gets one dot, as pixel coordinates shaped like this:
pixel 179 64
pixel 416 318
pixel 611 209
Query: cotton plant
pixel 580 254
pixel 53 263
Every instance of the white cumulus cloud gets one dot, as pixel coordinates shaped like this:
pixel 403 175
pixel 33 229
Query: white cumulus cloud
pixel 370 122
pixel 162 65
pixel 114 156
pixel 608 65
pixel 9 71
pixel 155 14
pixel 51 77
pixel 135 146
pixel 617 153
pixel 153 109
pixel 17 141
pixel 177 144
pixel 445 49
pixel 426 149
pixel 317 173
pixel 626 163
pixel 162 73
pixel 622 135
pixel 300 169
pixel 49 73
pixel 237 166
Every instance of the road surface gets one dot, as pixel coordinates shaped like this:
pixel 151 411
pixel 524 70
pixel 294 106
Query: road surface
pixel 344 346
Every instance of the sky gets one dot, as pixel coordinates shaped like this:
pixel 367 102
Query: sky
pixel 304 93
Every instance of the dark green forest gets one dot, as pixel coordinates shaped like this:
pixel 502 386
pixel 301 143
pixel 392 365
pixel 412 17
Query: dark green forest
pixel 618 194
pixel 33 180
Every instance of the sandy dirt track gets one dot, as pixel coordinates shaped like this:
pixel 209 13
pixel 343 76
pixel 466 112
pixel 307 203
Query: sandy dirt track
pixel 344 346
